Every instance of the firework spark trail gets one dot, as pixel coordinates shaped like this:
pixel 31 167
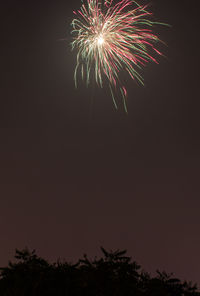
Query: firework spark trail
pixel 111 38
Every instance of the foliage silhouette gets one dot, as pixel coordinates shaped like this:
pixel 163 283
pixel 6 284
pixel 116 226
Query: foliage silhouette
pixel 114 274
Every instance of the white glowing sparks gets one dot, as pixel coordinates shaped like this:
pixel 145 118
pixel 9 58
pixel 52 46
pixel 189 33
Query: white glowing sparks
pixel 100 40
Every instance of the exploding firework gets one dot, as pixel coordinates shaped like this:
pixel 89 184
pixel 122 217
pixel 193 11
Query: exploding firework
pixel 111 38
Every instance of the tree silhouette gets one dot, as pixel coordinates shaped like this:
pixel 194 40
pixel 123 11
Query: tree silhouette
pixel 113 274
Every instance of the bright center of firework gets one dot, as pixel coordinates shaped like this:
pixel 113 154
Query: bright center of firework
pixel 100 40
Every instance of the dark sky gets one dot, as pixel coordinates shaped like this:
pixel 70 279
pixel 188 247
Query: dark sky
pixel 75 173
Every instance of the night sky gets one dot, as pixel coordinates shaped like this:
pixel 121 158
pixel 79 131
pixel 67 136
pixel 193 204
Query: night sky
pixel 75 174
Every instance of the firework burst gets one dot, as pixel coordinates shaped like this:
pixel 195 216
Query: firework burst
pixel 111 38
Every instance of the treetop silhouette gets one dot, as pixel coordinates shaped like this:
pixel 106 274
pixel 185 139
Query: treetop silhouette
pixel 113 274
